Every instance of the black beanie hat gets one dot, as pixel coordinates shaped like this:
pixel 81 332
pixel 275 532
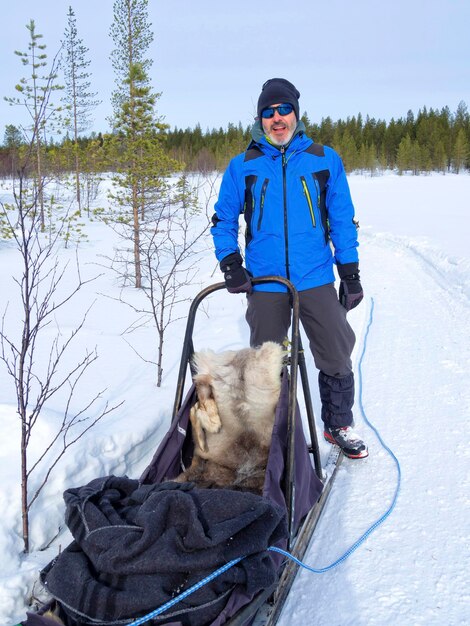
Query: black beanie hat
pixel 278 90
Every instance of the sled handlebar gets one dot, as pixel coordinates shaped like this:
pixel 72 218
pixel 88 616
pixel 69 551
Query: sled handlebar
pixel 188 348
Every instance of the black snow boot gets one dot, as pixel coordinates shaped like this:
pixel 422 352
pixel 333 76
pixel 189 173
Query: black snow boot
pixel 349 441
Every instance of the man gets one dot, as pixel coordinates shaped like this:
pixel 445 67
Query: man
pixel 296 203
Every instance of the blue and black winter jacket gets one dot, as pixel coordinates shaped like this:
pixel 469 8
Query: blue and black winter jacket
pixel 294 202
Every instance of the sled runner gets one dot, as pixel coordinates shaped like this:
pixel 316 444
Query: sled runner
pixel 212 527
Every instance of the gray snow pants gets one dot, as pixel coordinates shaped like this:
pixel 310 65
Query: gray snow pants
pixel 330 336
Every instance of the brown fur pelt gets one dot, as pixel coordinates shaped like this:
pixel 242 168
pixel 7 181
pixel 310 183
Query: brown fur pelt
pixel 233 417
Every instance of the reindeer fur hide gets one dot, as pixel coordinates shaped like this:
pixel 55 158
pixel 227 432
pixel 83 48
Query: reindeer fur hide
pixel 233 417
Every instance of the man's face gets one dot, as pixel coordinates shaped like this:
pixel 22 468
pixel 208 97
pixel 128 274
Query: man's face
pixel 279 128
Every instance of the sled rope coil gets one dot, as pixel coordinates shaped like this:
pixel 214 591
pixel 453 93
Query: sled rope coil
pixel 288 555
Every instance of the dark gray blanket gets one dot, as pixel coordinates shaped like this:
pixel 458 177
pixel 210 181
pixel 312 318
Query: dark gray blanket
pixel 137 546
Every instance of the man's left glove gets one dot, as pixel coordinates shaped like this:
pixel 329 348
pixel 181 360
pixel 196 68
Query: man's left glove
pixel 237 279
pixel 350 291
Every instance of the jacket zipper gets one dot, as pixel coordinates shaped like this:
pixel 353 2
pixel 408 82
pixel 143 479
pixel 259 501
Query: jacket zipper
pixel 317 187
pixel 309 199
pixel 284 188
pixel 249 211
pixel 261 206
pixel 321 210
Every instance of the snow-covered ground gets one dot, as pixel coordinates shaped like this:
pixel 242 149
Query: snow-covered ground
pixel 415 265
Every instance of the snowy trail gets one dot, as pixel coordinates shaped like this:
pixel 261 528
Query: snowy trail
pixel 416 394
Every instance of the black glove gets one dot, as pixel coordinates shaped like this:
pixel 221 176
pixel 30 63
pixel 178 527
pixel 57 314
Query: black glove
pixel 237 279
pixel 350 291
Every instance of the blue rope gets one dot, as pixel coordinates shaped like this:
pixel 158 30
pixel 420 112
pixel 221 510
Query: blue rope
pixel 382 519
pixel 185 594
pixel 338 561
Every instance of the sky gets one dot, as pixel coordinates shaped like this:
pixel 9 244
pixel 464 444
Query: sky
pixel 210 58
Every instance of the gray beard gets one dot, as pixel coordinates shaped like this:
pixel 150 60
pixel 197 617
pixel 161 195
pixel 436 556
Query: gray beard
pixel 279 143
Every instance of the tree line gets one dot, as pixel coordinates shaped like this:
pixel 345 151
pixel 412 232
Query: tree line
pixel 431 140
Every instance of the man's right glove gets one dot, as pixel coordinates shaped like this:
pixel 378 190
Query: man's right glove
pixel 237 279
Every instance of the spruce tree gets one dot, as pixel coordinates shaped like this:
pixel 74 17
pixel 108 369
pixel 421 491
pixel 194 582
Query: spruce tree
pixel 141 162
pixel 404 155
pixel 461 151
pixel 13 140
pixel 462 116
pixel 78 97
pixel 345 145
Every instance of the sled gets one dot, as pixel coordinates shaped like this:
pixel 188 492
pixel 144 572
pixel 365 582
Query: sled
pixel 295 479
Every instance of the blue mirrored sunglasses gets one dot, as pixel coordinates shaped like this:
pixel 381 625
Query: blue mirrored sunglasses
pixel 282 109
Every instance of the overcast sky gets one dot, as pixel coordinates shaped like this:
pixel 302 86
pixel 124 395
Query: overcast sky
pixel 212 56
